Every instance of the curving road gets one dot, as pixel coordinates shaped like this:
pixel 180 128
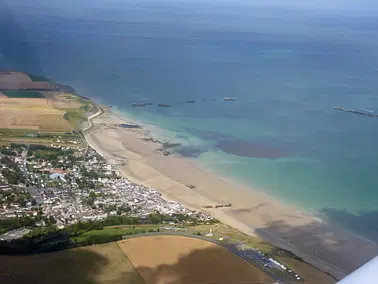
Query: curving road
pixel 99 112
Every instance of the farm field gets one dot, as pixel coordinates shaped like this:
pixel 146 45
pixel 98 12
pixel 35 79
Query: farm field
pixel 31 102
pixel 28 136
pixel 17 133
pixel 13 77
pixel 109 234
pixel 104 263
pixel 75 107
pixel 37 78
pixel 7 140
pixel 20 80
pixel 186 260
pixel 23 94
pixel 62 101
pixel 34 114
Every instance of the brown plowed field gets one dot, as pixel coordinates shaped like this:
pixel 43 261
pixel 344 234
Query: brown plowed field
pixel 186 260
pixel 13 77
pixel 19 80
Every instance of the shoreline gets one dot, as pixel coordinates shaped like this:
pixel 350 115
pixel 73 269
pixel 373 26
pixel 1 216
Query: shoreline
pixel 253 212
pixel 161 140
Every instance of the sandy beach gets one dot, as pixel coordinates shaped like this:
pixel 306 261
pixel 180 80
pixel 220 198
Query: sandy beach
pixel 253 212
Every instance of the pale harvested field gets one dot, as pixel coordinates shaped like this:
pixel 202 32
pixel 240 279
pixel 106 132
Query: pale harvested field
pixel 21 113
pixel 62 101
pixel 98 264
pixel 186 260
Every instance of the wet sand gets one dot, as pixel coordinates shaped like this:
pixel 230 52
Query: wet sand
pixel 253 212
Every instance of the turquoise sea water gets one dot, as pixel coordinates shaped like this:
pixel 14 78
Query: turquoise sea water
pixel 286 67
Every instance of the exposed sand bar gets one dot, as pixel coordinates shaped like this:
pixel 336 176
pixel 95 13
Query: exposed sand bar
pixel 253 212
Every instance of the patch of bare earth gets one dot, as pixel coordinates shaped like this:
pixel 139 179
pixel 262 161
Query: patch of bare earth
pixel 186 260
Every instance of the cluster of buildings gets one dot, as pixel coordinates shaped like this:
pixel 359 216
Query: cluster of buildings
pixel 141 200
pixel 113 197
pixel 82 186
pixel 64 205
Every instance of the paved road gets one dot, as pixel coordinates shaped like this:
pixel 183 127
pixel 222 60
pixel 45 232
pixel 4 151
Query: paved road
pixel 98 113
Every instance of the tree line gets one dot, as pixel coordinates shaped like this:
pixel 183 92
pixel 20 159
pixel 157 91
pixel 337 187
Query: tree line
pixel 49 238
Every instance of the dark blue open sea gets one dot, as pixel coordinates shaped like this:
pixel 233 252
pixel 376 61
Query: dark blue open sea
pixel 286 67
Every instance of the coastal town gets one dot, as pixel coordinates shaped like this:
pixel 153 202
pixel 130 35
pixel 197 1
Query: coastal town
pixel 63 185
pixel 188 142
pixel 60 186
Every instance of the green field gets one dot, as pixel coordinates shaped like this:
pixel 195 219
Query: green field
pixel 109 234
pixel 27 133
pixel 17 132
pixel 234 235
pixel 139 226
pixel 38 78
pixel 23 94
pixel 75 116
pixel 8 136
